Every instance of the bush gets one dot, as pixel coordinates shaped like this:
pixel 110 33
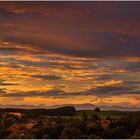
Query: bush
pixel 71 133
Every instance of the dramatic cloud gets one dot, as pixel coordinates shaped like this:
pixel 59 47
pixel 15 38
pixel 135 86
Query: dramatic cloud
pixel 69 52
pixel 101 27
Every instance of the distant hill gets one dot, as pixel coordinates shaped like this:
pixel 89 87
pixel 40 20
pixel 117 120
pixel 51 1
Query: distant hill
pixel 62 111
pixel 86 106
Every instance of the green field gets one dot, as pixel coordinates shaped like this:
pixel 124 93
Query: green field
pixel 112 114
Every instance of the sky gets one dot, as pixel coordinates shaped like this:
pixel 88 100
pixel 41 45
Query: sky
pixel 70 53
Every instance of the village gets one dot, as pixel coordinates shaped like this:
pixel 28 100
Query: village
pixel 22 125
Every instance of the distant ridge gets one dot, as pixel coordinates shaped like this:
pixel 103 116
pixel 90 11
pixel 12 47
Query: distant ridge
pixel 86 106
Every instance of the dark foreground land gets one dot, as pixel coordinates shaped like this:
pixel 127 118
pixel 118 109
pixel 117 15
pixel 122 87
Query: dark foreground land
pixel 66 122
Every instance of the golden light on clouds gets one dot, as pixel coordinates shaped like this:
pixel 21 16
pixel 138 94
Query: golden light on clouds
pixel 52 54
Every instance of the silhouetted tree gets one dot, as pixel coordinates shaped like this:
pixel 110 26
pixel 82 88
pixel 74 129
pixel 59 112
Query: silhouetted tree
pixel 71 133
pixel 95 117
pixel 97 109
pixel 4 133
pixel 55 131
pixel 108 118
pixel 84 117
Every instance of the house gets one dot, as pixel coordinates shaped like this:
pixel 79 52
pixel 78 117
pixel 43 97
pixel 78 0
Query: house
pixel 15 127
pixel 19 115
pixel 29 125
pixel 21 126
pixel 105 123
pixel 18 129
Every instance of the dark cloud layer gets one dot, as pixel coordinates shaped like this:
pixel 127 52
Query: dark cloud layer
pixel 85 29
pixel 46 77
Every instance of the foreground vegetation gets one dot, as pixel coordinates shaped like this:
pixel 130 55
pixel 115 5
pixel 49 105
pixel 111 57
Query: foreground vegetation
pixel 82 125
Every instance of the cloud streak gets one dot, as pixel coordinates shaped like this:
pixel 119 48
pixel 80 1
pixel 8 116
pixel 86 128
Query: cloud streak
pixel 3 83
pixel 46 77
